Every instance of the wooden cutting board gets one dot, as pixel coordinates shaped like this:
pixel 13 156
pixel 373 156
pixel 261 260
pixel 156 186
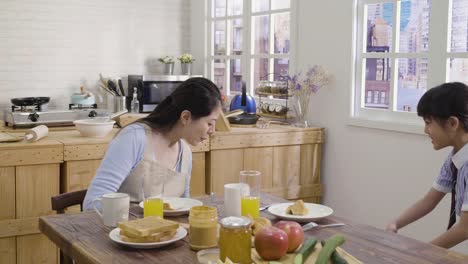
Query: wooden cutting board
pixel 4 137
pixel 310 260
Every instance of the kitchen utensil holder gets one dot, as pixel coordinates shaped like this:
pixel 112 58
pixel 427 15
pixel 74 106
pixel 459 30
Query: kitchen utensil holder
pixel 115 103
pixel 119 103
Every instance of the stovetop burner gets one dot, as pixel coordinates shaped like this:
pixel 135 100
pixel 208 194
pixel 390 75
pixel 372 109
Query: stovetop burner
pixel 51 117
pixel 23 108
pixel 81 106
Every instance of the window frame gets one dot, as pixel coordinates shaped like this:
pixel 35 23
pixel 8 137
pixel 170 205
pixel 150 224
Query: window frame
pixel 248 56
pixel 438 71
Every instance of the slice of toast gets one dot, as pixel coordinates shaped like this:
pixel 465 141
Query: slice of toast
pixel 167 206
pixel 148 226
pixel 157 237
pixel 298 208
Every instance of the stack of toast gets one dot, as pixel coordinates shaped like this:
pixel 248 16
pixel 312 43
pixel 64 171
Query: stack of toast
pixel 148 230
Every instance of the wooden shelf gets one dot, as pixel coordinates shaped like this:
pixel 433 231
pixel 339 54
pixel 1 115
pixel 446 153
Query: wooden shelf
pixel 273 94
pixel 271 115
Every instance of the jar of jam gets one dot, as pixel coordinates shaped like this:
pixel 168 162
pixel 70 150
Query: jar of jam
pixel 203 227
pixel 235 239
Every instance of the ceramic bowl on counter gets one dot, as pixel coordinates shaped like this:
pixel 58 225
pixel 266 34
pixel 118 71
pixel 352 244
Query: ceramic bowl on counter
pixel 96 127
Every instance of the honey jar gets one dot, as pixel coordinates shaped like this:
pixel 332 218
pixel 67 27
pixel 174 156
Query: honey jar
pixel 235 240
pixel 203 227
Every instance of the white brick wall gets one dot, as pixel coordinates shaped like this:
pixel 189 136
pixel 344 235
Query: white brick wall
pixel 51 47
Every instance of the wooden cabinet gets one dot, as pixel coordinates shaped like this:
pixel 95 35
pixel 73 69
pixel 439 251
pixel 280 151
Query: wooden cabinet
pixel 82 157
pixel 8 250
pixel 197 179
pixel 30 173
pixel 77 174
pixel 29 176
pixel 288 158
pixel 36 249
pixel 7 193
pixel 7 214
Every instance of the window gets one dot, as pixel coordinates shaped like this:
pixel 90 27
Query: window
pixel 248 41
pixel 405 47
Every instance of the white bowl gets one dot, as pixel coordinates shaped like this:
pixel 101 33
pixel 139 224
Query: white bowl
pixel 94 127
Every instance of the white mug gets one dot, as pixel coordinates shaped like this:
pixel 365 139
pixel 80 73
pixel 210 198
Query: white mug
pixel 114 206
pixel 232 198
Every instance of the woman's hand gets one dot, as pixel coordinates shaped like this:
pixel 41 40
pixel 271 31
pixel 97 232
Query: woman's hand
pixel 392 227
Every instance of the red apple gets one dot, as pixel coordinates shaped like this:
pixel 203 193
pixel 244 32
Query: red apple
pixel 271 243
pixel 294 232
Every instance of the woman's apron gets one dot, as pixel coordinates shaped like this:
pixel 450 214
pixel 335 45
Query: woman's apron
pixel 146 178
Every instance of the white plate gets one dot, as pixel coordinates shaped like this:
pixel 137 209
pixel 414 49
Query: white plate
pixel 316 211
pixel 115 236
pixel 181 204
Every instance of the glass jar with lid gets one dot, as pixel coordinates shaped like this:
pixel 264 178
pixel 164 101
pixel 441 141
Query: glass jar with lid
pixel 264 87
pixel 235 239
pixel 203 227
pixel 274 87
pixel 283 87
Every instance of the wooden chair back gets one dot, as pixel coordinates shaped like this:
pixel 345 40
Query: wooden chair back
pixel 60 203
pixel 64 200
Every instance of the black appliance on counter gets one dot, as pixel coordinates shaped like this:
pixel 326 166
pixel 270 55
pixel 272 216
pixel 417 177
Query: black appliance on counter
pixel 153 89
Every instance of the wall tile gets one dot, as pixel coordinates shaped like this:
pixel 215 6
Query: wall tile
pixel 51 47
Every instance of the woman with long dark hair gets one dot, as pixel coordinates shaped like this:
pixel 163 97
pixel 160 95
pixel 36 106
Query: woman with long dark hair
pixel 155 149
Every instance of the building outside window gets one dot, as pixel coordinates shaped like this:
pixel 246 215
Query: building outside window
pixel 248 41
pixel 405 47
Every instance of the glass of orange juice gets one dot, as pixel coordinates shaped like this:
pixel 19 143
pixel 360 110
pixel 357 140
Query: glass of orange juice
pixel 153 204
pixel 250 192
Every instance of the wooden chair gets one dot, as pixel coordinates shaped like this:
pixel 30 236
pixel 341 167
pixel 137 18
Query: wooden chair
pixel 63 201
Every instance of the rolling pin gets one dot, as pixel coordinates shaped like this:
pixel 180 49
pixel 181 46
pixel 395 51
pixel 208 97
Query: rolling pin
pixel 36 133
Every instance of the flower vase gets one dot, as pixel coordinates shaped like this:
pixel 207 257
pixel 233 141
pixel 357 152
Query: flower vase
pixel 169 68
pixel 186 68
pixel 301 107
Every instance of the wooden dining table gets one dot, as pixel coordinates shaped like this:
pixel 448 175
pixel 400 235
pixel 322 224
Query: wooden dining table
pixel 84 238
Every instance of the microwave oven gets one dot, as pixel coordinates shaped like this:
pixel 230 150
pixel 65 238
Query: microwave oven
pixel 153 89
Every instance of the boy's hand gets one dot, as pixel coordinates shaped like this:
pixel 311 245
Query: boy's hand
pixel 392 227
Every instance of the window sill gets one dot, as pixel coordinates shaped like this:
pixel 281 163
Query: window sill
pixel 411 128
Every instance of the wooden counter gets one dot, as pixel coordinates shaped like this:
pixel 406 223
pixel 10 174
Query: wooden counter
pixel 289 159
pixel 30 173
pixel 277 135
pixel 23 153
